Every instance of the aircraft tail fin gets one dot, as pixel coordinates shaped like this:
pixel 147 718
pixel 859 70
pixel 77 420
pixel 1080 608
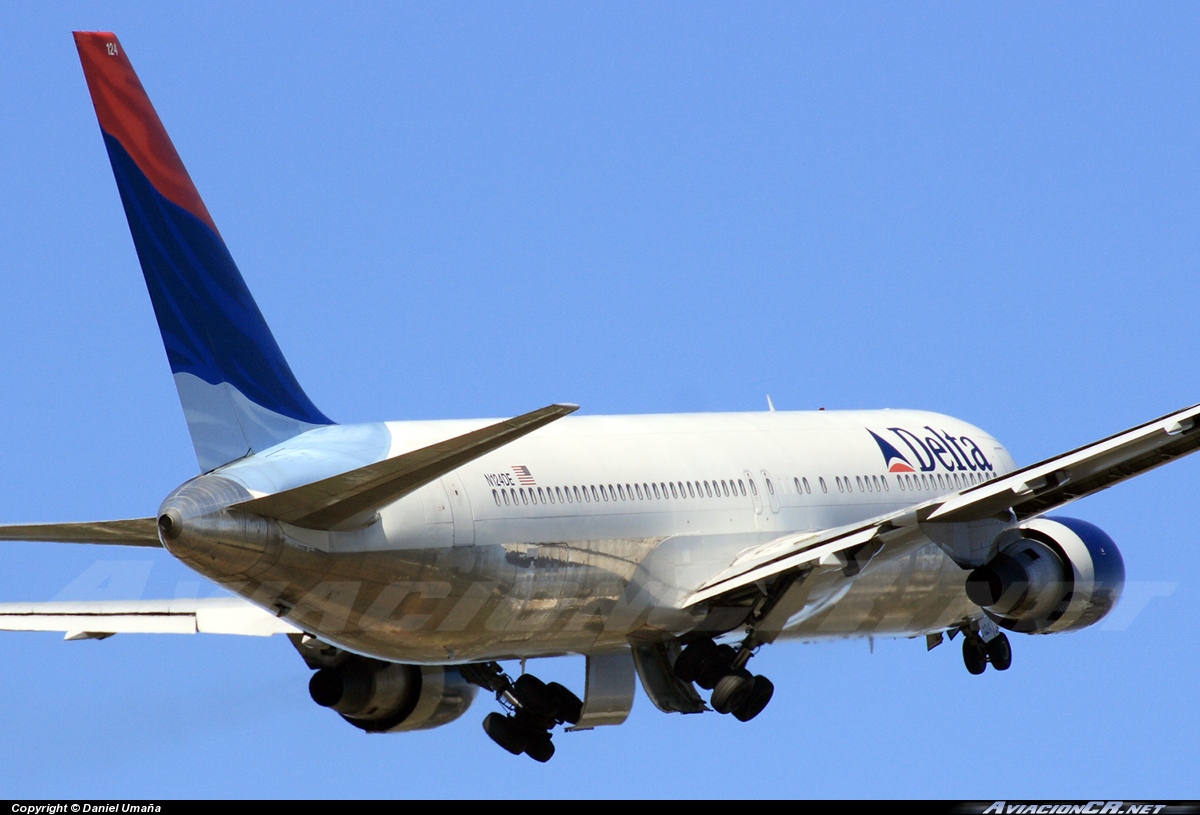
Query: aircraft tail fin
pixel 238 394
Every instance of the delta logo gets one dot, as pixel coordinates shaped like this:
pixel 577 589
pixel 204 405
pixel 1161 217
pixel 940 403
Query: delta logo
pixel 928 449
pixel 896 463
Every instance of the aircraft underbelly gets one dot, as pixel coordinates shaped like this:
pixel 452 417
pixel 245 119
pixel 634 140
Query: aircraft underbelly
pixel 908 596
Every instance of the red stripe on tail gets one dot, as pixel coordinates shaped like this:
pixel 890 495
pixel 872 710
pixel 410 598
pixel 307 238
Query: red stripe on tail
pixel 125 113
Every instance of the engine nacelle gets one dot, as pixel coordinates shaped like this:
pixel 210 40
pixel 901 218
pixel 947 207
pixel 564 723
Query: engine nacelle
pixel 386 697
pixel 1062 574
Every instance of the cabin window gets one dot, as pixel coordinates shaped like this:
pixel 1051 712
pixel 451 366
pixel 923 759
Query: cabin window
pixel 941 482
pixel 770 486
pixel 799 489
pixel 496 496
pixel 621 491
pixel 860 484
pixel 742 486
pixel 807 488
pixel 691 489
pixel 875 481
pixel 541 495
pixel 821 481
pixel 673 493
pixel 838 479
pixel 753 487
pixel 638 487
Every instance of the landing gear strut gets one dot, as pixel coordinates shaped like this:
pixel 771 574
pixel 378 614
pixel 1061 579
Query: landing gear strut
pixel 533 708
pixel 722 669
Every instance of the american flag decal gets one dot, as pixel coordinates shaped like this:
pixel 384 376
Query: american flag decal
pixel 523 476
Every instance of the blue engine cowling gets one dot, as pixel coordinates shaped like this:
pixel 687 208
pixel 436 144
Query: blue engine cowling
pixel 1061 574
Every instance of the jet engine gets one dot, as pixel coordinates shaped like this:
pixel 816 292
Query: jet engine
pixel 386 697
pixel 1061 574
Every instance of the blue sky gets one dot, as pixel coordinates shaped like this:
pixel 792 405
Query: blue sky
pixel 461 210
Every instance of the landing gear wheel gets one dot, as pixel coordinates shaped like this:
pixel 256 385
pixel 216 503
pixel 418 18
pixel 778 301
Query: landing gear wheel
pixel 540 748
pixel 568 706
pixel 732 690
pixel 504 731
pixel 539 705
pixel 999 652
pixel 761 691
pixel 974 655
pixel 693 658
pixel 716 666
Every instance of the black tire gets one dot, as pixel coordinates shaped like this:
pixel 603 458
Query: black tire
pixel 731 691
pixel 693 658
pixel 505 732
pixel 539 705
pixel 716 666
pixel 568 706
pixel 760 695
pixel 540 749
pixel 999 653
pixel 974 657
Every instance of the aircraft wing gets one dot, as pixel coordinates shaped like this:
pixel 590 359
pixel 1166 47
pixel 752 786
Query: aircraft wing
pixel 1027 492
pixel 1062 479
pixel 129 532
pixel 332 501
pixel 100 619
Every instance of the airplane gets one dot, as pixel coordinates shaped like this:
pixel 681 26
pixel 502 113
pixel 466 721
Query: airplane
pixel 406 560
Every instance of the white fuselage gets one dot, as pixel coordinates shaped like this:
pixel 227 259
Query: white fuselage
pixel 595 528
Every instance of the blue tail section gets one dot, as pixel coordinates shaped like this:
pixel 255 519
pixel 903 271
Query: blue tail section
pixel 238 394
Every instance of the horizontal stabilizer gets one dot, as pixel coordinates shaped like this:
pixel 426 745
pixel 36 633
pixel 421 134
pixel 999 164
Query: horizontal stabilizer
pixel 328 503
pixel 100 619
pixel 129 532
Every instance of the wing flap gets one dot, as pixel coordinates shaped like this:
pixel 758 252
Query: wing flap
pixel 128 532
pixel 829 549
pixel 333 501
pixel 98 619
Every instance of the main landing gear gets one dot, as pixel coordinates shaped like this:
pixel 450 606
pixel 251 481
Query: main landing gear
pixel 722 670
pixel 534 709
pixel 986 645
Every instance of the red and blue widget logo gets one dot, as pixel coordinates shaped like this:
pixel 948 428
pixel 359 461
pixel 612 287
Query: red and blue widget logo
pixel 930 448
pixel 896 463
